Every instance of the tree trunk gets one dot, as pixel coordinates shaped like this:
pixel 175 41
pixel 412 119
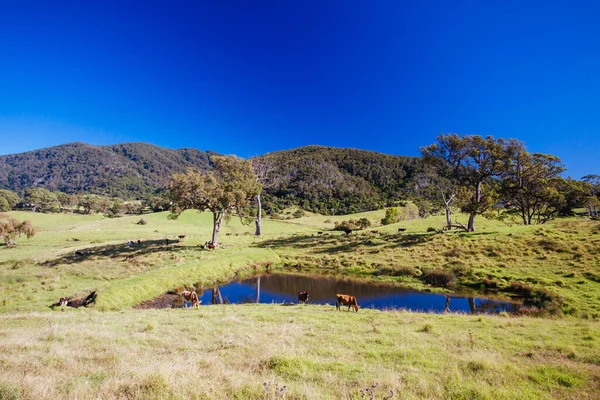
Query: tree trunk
pixel 471 224
pixel 258 217
pixel 448 210
pixel 217 221
pixel 448 217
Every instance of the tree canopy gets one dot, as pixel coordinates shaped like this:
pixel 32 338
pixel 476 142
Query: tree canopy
pixel 226 189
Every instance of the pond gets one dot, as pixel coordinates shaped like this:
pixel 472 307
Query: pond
pixel 284 288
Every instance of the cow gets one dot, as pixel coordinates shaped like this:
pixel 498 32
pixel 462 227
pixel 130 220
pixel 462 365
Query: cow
pixel 303 297
pixel 346 300
pixel 400 230
pixel 63 301
pixel 189 296
pixel 181 237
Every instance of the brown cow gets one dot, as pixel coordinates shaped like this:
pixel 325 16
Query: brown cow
pixel 347 300
pixel 189 296
pixel 303 297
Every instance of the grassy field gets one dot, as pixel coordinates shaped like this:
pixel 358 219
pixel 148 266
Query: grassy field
pixel 235 351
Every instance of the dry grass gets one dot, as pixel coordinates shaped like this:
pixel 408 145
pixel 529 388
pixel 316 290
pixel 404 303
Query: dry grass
pixel 316 352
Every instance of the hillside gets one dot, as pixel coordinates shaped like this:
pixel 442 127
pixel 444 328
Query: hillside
pixel 320 179
pixel 331 180
pixel 126 170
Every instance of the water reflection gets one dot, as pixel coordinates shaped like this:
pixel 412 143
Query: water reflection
pixel 284 288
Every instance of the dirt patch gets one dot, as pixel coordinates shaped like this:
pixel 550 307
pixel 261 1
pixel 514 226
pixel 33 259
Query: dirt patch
pixel 167 300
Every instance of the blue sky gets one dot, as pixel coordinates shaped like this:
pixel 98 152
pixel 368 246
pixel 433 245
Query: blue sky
pixel 251 77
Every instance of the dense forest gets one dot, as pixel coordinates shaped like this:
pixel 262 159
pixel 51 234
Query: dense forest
pixel 336 181
pixel 128 171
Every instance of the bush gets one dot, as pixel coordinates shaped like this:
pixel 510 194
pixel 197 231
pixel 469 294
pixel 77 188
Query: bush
pixel 363 223
pixel 327 221
pixel 438 277
pixel 142 221
pixel 391 216
pixel 299 213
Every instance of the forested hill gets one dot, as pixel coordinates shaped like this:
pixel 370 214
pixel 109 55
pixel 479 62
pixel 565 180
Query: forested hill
pixel 337 181
pixel 126 170
pixel 320 179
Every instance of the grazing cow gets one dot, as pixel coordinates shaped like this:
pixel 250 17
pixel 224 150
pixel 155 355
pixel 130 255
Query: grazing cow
pixel 181 237
pixel 303 297
pixel 374 231
pixel 63 301
pixel 346 300
pixel 320 233
pixel 189 296
pixel 400 230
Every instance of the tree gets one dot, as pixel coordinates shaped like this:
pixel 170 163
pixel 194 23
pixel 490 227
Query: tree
pixel 391 216
pixel 42 200
pixel 11 228
pixel 529 185
pixel 68 201
pixel 264 170
pixel 89 203
pixel 8 200
pixel 591 205
pixel 443 169
pixel 472 162
pixel 227 188
pixel 594 181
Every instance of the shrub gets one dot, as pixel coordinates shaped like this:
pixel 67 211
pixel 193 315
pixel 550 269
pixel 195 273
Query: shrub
pixel 327 221
pixel 299 213
pixel 438 277
pixel 142 221
pixel 391 216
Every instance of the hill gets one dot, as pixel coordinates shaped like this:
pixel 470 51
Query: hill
pixel 326 180
pixel 126 170
pixel 330 180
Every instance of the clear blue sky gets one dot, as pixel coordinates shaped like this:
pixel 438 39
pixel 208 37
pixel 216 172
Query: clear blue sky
pixel 250 77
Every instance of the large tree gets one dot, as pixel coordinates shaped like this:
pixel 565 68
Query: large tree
pixel 471 163
pixel 228 187
pixel 67 201
pixel 8 200
pixel 42 200
pixel 11 228
pixel 529 186
pixel 443 169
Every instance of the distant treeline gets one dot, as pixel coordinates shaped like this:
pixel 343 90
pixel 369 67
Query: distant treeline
pixel 325 180
pixel 44 201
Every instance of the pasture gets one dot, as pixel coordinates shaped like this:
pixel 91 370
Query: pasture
pixel 251 351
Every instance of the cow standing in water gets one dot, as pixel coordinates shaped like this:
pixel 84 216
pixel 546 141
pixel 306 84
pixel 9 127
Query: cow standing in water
pixel 189 296
pixel 303 297
pixel 346 300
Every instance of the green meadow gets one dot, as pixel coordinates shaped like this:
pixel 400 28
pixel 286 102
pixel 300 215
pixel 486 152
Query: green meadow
pixel 265 351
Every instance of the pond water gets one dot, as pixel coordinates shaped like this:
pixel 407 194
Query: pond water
pixel 284 288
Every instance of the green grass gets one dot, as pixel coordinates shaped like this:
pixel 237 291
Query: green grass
pixel 115 351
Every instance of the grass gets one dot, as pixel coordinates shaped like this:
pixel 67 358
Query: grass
pixel 253 351
pixel 316 352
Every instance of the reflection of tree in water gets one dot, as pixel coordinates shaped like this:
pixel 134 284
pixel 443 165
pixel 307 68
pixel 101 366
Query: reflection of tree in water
pixel 320 287
pixel 486 306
